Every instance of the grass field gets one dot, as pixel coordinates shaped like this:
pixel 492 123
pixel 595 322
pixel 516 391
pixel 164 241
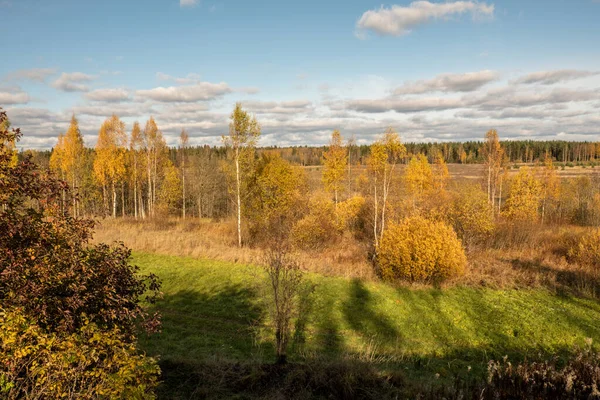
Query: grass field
pixel 215 311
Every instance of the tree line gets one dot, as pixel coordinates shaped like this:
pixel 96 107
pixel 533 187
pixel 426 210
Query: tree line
pixel 136 174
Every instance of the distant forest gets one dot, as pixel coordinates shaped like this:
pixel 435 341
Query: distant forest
pixel 470 152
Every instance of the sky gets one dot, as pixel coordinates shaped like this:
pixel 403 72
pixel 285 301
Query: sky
pixel 432 70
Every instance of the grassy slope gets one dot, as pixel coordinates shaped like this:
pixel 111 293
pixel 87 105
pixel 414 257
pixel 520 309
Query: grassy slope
pixel 217 310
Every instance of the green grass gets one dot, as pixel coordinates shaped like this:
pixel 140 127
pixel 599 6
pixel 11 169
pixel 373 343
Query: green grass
pixel 216 310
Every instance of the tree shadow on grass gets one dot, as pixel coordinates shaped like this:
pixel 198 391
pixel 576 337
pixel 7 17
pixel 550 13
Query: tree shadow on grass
pixel 197 325
pixel 363 317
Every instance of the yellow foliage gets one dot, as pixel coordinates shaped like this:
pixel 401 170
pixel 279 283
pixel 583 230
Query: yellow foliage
pixel 586 251
pixel 335 161
pixel 88 364
pixel 418 177
pixel 325 222
pixel 524 197
pixel 420 250
pixel 471 214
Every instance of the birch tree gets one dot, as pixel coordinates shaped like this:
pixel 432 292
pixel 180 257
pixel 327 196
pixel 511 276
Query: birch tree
pixel 183 142
pixel 109 164
pixel 244 132
pixel 386 153
pixel 334 165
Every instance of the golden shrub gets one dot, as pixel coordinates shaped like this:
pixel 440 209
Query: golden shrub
pixel 316 229
pixel 325 222
pixel 88 364
pixel 346 212
pixel 471 214
pixel 420 250
pixel 586 250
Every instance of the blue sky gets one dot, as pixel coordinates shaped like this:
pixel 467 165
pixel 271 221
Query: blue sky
pixel 439 70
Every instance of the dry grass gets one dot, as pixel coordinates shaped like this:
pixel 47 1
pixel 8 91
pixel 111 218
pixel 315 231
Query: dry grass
pixel 539 259
pixel 527 257
pixel 217 240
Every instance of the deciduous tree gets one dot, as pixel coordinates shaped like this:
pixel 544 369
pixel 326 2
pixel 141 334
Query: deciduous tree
pixel 335 161
pixel 244 132
pixel 386 153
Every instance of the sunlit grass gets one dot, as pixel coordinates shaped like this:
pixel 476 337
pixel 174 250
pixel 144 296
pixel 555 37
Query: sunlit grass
pixel 217 311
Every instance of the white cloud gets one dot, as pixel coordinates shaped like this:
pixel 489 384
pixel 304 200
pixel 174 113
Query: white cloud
pixel 405 105
pixel 188 3
pixel 201 91
pixel 108 95
pixel 284 107
pixel 400 20
pixel 13 98
pixel 73 82
pixel 34 74
pixel 248 90
pixel 552 77
pixel 189 79
pixel 467 82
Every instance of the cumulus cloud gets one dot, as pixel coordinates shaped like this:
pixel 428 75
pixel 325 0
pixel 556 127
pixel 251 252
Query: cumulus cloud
pixel 73 82
pixel 467 82
pixel 11 97
pixel 188 3
pixel 400 20
pixel 201 91
pixel 556 76
pixel 108 95
pixel 33 74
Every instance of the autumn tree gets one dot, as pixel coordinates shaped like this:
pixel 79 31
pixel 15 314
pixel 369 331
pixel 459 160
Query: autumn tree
pixel 244 132
pixel 550 186
pixel 183 143
pixel 135 146
pixel 523 199
pixel 275 204
pixel 441 175
pixel 335 161
pixel 72 161
pixel 493 154
pixel 109 164
pixel 154 146
pixel 386 153
pixel 418 178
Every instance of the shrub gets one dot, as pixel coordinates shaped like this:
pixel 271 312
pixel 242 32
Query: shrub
pixel 325 223
pixel 87 364
pixel 420 250
pixel 471 215
pixel 586 249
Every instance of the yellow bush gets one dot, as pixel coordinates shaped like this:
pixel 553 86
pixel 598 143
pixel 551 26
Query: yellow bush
pixel 88 364
pixel 318 228
pixel 471 214
pixel 325 222
pixel 586 250
pixel 420 250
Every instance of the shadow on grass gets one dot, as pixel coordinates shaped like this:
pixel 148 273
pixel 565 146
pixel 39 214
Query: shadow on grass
pixel 197 325
pixel 363 317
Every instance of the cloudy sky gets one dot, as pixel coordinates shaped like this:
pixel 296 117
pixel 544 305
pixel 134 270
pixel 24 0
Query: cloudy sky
pixel 435 71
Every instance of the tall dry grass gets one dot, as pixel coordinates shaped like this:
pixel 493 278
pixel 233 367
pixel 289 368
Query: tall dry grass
pixel 217 240
pixel 531 256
